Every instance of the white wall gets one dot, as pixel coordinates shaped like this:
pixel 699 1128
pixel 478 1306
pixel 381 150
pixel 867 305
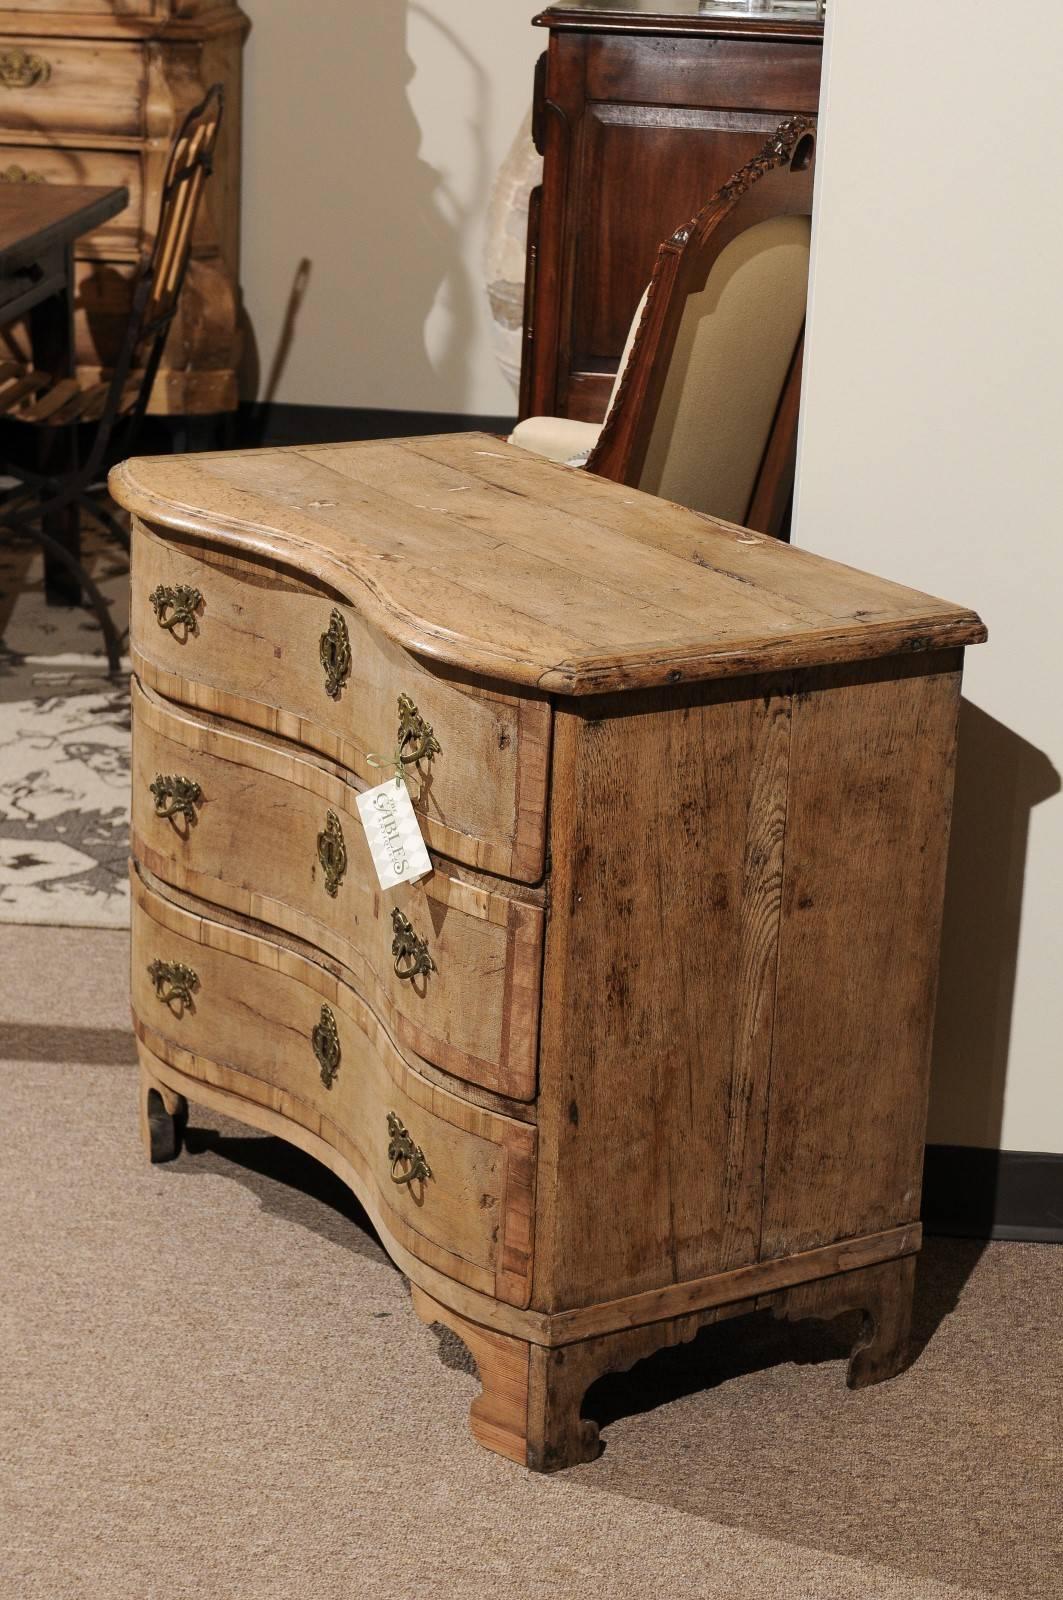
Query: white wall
pixel 372 131
pixel 931 453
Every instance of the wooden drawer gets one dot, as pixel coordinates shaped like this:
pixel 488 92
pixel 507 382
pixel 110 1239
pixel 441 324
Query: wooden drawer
pixel 253 847
pixel 21 163
pixel 249 1029
pixel 713 73
pixel 254 654
pixel 73 86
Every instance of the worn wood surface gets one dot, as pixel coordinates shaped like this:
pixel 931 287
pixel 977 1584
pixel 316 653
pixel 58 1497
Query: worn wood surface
pixel 659 986
pixel 883 1292
pixel 499 1416
pixel 740 969
pixel 476 1014
pixel 254 656
pixel 471 552
pixel 253 1012
pixel 870 792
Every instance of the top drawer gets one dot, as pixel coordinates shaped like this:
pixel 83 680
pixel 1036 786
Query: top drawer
pixel 255 651
pixel 72 86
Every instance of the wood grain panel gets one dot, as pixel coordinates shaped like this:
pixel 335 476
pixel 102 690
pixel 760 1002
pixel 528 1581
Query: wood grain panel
pixel 661 151
pixel 253 846
pixel 658 988
pixel 871 772
pixel 779 76
pixel 253 1013
pixel 254 656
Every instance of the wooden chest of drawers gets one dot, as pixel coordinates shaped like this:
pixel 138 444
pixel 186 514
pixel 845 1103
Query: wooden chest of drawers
pixel 648 1047
pixel 92 92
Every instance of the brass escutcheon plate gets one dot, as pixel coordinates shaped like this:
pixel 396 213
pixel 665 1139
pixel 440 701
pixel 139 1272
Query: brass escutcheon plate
pixel 332 853
pixel 334 650
pixel 325 1038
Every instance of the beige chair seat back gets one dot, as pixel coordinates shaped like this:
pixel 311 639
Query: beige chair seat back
pixel 733 350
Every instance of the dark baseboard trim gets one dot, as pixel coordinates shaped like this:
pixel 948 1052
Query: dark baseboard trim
pixel 279 424
pixel 970 1193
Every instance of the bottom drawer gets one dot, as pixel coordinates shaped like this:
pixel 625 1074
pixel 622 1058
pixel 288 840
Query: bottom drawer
pixel 294 1038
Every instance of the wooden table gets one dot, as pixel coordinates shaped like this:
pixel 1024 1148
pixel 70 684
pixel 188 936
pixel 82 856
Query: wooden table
pixel 39 224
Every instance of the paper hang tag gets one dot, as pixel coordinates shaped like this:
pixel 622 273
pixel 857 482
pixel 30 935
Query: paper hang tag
pixel 391 828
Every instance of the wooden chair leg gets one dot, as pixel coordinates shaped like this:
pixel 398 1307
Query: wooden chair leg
pixel 163 1114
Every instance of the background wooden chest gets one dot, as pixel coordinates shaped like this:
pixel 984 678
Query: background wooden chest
pixel 642 111
pixel 93 93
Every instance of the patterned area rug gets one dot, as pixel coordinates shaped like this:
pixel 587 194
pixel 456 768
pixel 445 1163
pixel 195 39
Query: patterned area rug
pixel 64 750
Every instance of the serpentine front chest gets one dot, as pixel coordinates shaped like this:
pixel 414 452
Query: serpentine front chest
pixel 647 1045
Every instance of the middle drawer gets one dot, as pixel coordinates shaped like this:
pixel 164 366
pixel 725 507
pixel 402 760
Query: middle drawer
pixel 250 826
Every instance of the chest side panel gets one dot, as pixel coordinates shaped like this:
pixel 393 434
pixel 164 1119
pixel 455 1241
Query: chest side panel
pixel 870 794
pixel 660 970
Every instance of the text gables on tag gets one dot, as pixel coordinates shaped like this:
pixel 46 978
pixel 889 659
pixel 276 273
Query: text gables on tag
pixel 395 842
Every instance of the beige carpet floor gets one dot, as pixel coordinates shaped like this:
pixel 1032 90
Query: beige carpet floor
pixel 214 1387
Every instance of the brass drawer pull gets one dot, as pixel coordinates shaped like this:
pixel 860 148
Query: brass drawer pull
pixel 174 984
pixel 175 796
pixel 417 742
pixel 16 174
pixel 335 653
pixel 325 1038
pixel 410 951
pixel 404 1154
pixel 176 607
pixel 332 853
pixel 21 70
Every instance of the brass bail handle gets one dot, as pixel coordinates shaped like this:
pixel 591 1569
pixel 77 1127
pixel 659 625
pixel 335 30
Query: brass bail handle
pixel 417 742
pixel 175 796
pixel 412 959
pixel 408 1164
pixel 176 606
pixel 332 853
pixel 19 69
pixel 174 983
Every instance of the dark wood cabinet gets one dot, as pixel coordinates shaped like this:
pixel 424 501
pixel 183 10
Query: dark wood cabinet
pixel 642 111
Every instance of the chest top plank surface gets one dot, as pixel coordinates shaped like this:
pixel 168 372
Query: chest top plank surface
pixel 472 552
